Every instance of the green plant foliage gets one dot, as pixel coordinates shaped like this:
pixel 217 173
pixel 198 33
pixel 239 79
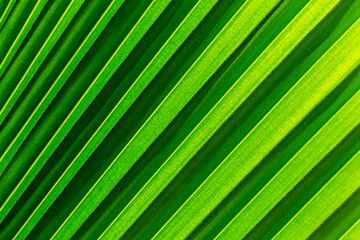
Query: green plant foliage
pixel 179 119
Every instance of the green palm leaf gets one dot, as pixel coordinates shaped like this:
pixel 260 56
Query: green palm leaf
pixel 179 119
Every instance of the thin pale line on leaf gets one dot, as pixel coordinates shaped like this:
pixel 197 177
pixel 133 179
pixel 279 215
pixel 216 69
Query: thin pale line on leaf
pixel 318 192
pixel 222 99
pixel 15 94
pixel 288 163
pixel 6 58
pixel 138 131
pixel 73 110
pixel 159 169
pixel 53 86
pixel 356 225
pixel 150 117
pixel 5 14
pixel 221 163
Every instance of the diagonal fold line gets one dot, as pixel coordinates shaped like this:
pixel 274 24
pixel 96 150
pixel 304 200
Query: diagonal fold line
pixel 22 34
pixel 63 129
pixel 58 83
pixel 88 144
pixel 49 96
pixel 238 146
pixel 49 43
pixel 166 162
pixel 355 226
pixel 142 126
pixel 321 190
pixel 6 13
pixel 289 162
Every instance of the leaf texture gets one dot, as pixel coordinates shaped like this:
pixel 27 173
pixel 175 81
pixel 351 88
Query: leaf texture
pixel 179 119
